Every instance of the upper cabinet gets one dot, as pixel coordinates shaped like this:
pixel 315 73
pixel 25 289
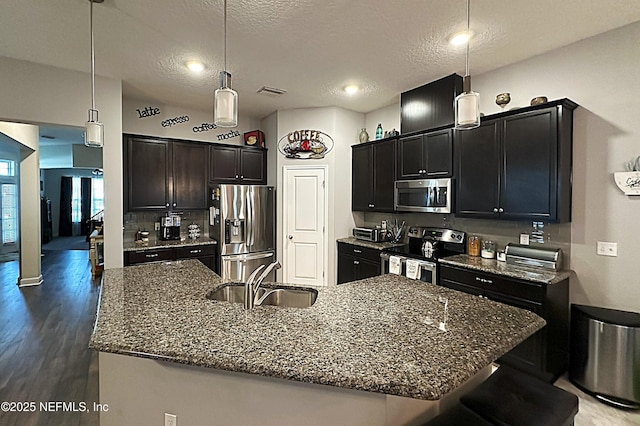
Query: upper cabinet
pixel 162 174
pixel 373 173
pixel 426 156
pixel 232 164
pixel 517 165
pixel 429 106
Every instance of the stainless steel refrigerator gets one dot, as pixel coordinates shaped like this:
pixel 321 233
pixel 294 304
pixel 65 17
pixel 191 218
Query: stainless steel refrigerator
pixel 242 220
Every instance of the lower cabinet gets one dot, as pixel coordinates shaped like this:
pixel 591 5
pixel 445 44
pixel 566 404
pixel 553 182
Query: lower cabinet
pixel 546 353
pixel 204 253
pixel 356 262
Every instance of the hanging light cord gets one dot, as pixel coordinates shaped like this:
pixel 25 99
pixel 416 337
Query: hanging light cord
pixel 225 35
pixel 468 37
pixel 93 78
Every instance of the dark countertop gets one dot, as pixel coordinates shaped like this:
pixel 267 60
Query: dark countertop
pixel 379 334
pixel 155 243
pixel 492 266
pixel 369 244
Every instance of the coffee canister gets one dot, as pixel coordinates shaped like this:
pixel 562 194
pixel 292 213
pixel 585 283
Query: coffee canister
pixel 473 245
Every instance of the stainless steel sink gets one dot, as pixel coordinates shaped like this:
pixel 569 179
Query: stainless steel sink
pixel 281 296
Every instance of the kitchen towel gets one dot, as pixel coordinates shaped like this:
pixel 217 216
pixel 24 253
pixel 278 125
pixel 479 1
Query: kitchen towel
pixel 413 269
pixel 395 265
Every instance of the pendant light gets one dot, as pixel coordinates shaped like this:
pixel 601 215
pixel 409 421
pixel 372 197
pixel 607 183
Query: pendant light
pixel 467 104
pixel 225 102
pixel 93 129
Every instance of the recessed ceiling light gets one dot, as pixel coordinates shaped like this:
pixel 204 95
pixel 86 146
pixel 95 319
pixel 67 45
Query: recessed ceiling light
pixel 460 39
pixel 195 66
pixel 351 89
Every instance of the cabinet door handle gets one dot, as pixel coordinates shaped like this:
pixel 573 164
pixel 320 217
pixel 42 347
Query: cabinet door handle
pixel 484 280
pixel 372 205
pixel 495 210
pixel 151 255
pixel 290 237
pixel 167 204
pixel 241 177
pixel 175 204
pixel 501 210
pixel 355 262
pixel 357 251
pixel 237 176
pixel 195 251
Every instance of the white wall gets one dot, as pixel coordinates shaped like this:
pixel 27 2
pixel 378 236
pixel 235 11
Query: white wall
pixel 29 196
pixel 33 93
pixel 601 75
pixel 161 125
pixel 343 126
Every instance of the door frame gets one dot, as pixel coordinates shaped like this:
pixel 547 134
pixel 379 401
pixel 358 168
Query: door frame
pixel 325 222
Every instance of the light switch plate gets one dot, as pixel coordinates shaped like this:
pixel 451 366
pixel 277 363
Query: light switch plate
pixel 524 239
pixel 606 248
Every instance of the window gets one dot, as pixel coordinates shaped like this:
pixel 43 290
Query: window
pixel 97 198
pixel 9 213
pixel 7 168
pixel 97 195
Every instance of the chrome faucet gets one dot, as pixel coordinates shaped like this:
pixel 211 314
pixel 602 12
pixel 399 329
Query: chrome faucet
pixel 251 288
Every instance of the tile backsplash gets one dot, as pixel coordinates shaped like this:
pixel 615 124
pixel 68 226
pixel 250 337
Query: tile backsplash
pixel 541 234
pixel 145 221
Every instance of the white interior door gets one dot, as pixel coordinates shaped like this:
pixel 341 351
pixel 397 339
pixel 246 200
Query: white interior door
pixel 304 225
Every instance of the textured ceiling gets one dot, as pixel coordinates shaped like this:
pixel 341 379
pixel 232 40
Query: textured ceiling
pixel 310 48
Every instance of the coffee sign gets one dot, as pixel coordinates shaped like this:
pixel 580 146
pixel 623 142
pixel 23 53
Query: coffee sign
pixel 305 144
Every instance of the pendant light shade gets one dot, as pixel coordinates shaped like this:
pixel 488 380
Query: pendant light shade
pixel 93 129
pixel 467 104
pixel 225 108
pixel 225 101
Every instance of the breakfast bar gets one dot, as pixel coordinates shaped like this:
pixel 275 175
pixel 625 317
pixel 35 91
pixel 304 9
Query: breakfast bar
pixel 377 351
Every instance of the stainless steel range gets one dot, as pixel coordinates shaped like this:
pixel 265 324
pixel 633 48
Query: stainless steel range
pixel 426 246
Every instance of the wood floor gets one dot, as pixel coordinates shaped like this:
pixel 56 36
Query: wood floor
pixel 44 333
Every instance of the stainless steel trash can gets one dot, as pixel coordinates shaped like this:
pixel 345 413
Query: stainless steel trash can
pixel 605 354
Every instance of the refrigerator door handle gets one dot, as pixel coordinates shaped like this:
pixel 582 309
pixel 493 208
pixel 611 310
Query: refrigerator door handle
pixel 241 257
pixel 250 217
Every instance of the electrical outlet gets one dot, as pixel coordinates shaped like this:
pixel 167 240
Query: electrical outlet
pixel 156 226
pixel 524 239
pixel 607 249
pixel 170 419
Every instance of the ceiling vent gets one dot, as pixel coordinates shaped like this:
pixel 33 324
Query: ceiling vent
pixel 271 91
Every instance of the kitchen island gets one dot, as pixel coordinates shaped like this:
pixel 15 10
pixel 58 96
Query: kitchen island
pixel 367 352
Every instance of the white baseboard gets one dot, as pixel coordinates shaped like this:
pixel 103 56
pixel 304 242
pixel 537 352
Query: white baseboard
pixel 29 282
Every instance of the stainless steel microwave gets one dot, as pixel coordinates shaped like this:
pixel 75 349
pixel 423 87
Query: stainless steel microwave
pixel 423 195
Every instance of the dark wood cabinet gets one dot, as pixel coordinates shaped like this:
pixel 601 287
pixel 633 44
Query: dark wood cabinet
pixel 164 174
pixel 517 165
pixel 373 172
pixel 205 253
pixel 429 106
pixel 356 262
pixel 426 156
pixel 189 172
pixel 545 353
pixel 233 164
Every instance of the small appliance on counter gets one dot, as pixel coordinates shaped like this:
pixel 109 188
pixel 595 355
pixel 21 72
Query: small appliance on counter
pixel 374 235
pixel 419 258
pixel 535 257
pixel 170 227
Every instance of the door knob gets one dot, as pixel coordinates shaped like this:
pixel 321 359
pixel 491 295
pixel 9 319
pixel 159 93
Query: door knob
pixel 495 210
pixel 290 237
pixel 501 210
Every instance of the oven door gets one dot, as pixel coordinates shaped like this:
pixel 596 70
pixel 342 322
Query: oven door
pixel 423 195
pixel 428 270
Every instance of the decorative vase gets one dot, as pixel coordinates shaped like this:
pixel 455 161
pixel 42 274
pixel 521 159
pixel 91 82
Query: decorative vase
pixel 364 136
pixel 503 99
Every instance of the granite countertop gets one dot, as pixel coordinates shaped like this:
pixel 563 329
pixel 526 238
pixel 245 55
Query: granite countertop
pixel 492 266
pixel 155 243
pixel 379 334
pixel 376 246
